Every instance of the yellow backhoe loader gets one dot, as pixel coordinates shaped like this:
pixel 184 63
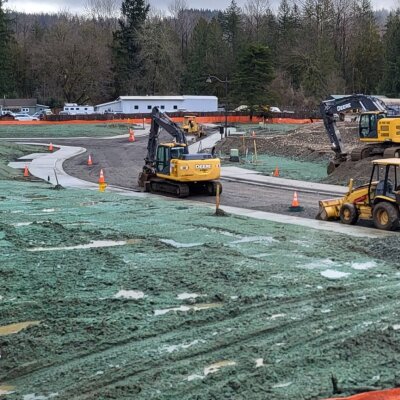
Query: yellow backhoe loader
pixel 191 126
pixel 377 201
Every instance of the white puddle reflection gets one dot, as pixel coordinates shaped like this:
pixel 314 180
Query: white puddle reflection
pixel 91 245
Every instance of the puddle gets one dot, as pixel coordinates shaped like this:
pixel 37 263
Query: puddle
pixel 259 362
pixel 195 307
pixel 184 296
pixel 177 347
pixel 364 265
pixel 213 368
pixel 16 224
pixel 6 390
pixel 333 274
pixel 321 263
pixel 15 328
pixel 282 385
pixel 34 396
pixel 259 239
pixel 275 316
pixel 91 245
pixel 179 245
pixel 129 294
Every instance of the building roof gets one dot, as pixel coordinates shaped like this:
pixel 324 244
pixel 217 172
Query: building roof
pixel 183 97
pixel 18 102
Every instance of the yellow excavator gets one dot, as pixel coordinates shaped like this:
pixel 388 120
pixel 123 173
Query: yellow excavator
pixel 377 201
pixel 169 168
pixel 379 132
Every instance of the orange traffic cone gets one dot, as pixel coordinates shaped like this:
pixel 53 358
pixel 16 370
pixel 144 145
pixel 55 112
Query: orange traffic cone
pixel 295 204
pixel 295 201
pixel 51 147
pixel 131 135
pixel 276 172
pixel 101 178
pixel 102 182
pixel 89 161
pixel 26 171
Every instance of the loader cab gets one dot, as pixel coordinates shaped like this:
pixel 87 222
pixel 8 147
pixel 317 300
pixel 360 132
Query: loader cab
pixel 384 184
pixel 368 126
pixel 167 152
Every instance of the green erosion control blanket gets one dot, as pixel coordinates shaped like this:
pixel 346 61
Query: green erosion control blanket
pixel 107 296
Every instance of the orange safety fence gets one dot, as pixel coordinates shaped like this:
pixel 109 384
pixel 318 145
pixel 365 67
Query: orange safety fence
pixel 202 120
pixel 388 394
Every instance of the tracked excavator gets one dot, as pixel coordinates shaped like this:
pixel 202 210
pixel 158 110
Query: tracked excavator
pixel 170 169
pixel 380 131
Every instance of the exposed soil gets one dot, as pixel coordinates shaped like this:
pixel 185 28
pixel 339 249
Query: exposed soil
pixel 309 142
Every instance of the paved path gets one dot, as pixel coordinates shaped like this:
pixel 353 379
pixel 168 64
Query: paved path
pixel 49 167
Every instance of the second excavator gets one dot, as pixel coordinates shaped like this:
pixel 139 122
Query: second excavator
pixel 377 129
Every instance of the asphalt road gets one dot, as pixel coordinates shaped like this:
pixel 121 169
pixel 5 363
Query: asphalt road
pixel 122 162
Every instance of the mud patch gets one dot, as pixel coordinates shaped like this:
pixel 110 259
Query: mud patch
pixel 15 328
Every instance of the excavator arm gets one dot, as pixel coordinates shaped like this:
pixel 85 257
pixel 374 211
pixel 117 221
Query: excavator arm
pixel 330 107
pixel 161 120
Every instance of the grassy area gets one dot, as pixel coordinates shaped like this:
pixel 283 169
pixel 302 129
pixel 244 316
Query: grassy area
pixel 288 168
pixel 10 152
pixel 64 130
pixel 147 298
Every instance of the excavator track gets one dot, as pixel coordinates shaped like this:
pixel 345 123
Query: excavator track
pixel 360 153
pixel 180 190
pixel 391 152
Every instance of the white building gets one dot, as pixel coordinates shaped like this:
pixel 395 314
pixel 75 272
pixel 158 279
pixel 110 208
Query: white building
pixel 144 104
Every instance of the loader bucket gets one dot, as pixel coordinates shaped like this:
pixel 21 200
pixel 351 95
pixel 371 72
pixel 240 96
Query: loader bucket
pixel 329 209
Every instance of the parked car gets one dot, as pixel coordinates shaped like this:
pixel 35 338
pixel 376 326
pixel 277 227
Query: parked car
pixel 42 114
pixel 25 117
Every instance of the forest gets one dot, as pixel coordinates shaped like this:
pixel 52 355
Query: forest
pixel 291 57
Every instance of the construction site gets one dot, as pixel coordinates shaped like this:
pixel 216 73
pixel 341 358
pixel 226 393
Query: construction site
pixel 140 260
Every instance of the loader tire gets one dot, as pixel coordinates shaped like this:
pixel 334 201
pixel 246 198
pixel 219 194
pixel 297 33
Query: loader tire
pixel 348 214
pixel 386 216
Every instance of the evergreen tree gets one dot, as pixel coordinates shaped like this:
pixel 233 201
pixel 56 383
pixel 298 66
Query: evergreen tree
pixel 208 55
pixel 231 23
pixel 6 75
pixel 255 72
pixel 391 76
pixel 126 47
pixel 366 51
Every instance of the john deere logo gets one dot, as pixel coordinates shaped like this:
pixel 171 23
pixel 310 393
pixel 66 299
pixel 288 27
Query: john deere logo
pixel 203 166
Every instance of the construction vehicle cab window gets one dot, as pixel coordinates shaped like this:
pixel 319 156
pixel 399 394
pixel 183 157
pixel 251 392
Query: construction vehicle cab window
pixel 169 168
pixel 377 201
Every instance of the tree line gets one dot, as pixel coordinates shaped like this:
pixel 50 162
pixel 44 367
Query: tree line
pixel 293 57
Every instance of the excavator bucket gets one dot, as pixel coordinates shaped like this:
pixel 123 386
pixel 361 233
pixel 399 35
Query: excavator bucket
pixel 329 209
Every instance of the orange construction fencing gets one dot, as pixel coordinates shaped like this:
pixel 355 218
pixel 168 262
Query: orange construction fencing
pixel 215 119
pixel 388 394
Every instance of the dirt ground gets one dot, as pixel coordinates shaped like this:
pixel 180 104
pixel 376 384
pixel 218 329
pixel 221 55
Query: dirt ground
pixel 309 142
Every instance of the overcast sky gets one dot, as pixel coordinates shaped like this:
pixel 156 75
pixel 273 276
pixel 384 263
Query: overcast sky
pixel 75 6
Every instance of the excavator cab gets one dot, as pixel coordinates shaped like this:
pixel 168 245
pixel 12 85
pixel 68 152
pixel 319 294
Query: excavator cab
pixel 166 152
pixel 368 127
